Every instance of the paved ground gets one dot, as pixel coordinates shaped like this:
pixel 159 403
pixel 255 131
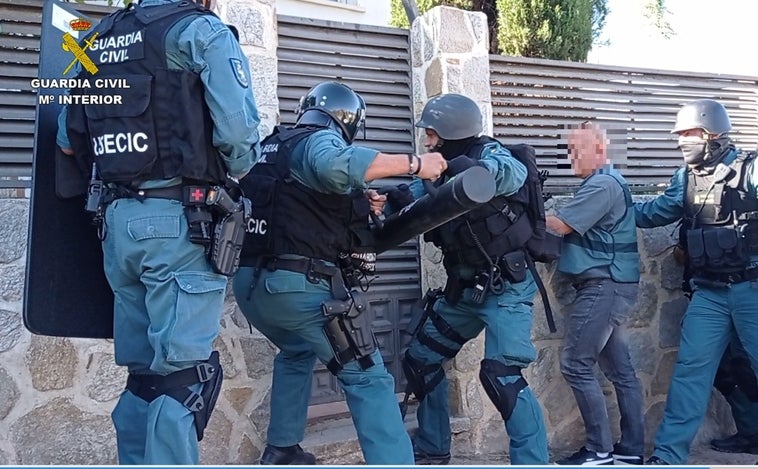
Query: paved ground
pixel 702 455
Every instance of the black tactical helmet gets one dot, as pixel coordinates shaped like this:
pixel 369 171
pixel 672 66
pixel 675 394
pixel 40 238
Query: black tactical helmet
pixel 705 114
pixel 452 116
pixel 346 107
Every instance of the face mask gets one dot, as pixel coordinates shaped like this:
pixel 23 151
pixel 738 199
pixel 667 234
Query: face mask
pixel 452 148
pixel 693 149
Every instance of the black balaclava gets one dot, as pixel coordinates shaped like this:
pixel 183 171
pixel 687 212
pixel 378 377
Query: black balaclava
pixel 701 153
pixel 452 148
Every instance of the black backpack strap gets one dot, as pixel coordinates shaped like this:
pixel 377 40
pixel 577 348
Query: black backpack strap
pixel 543 291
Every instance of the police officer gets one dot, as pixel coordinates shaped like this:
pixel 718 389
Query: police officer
pixel 488 288
pixel 599 254
pixel 714 195
pixel 307 249
pixel 188 118
pixel 736 381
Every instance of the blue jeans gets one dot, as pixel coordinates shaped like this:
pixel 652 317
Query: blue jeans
pixel 507 321
pixel 713 316
pixel 595 334
pixel 167 312
pixel 285 307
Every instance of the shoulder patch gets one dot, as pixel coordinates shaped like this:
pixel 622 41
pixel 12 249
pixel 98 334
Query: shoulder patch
pixel 239 72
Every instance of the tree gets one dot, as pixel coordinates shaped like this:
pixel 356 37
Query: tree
pixel 399 19
pixel 551 29
pixel 554 29
pixel 656 12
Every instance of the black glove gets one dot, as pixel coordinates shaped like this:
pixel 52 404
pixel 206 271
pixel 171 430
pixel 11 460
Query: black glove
pixel 459 164
pixel 398 196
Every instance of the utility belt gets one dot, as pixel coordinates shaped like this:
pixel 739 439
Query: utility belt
pixel 313 269
pixel 348 329
pixel 724 279
pixel 215 218
pixel 509 267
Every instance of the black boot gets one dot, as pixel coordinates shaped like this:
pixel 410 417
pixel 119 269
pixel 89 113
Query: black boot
pixel 426 459
pixel 737 444
pixel 656 461
pixel 286 456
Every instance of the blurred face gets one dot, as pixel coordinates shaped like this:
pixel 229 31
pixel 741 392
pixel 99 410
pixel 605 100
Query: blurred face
pixel 431 140
pixel 586 150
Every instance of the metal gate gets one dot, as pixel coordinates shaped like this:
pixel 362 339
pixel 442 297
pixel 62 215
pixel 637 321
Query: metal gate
pixel 375 62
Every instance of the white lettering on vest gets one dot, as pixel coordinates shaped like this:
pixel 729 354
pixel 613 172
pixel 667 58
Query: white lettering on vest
pixel 117 42
pixel 112 56
pixel 111 144
pixel 256 226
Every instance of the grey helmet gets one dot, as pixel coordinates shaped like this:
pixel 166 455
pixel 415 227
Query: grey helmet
pixel 344 106
pixel 452 116
pixel 705 114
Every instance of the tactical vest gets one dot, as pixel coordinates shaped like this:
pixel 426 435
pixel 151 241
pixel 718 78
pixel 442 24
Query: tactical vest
pixel 291 218
pixel 162 129
pixel 615 248
pixel 496 228
pixel 721 218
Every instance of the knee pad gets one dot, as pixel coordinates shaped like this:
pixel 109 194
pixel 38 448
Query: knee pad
pixel 176 385
pixel 422 379
pixel 502 395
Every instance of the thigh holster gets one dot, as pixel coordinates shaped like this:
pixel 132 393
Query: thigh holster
pixel 348 331
pixel 445 329
pixel 176 385
pixel 502 395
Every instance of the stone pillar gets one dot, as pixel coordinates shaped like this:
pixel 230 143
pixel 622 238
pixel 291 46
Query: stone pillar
pixel 450 54
pixel 256 22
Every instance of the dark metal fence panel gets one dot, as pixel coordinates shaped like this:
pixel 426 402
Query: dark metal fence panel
pixel 534 100
pixel 20 25
pixel 375 62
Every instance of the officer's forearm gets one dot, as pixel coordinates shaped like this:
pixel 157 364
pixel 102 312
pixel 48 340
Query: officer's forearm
pixel 385 165
pixel 557 226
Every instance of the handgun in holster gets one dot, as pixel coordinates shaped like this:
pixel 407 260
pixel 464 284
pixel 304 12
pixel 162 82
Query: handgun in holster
pixel 229 229
pixel 348 330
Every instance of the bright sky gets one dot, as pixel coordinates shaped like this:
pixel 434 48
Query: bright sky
pixel 712 36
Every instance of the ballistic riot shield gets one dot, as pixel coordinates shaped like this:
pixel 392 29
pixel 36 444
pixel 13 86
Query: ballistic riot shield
pixel 66 293
pixel 463 193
